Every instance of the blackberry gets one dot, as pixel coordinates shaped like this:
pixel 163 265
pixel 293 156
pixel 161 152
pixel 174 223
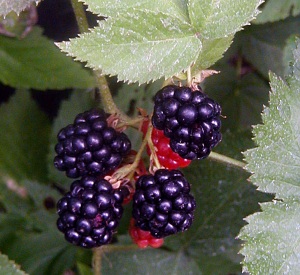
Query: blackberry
pixel 90 146
pixel 162 203
pixel 190 119
pixel 90 212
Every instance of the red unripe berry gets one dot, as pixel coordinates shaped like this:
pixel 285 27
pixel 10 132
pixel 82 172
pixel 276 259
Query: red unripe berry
pixel 143 238
pixel 166 156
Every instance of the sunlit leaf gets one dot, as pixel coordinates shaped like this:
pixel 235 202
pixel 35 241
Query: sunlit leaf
pixel 9 267
pixel 143 43
pixel 272 247
pixel 6 6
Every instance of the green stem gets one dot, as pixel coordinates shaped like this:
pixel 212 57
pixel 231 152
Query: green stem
pixel 189 76
pixel 106 97
pixel 80 15
pixel 227 160
pixel 117 248
pixel 97 260
pixel 139 155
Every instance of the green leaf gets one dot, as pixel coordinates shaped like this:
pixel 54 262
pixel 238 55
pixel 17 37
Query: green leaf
pixel 295 66
pixel 35 62
pixel 43 253
pixel 112 8
pixel 133 96
pixel 212 51
pixel 287 59
pixel 224 198
pixel 274 161
pixel 79 102
pixel 83 269
pixel 13 197
pixel 262 45
pixel 9 267
pixel 149 262
pixel 143 43
pixel 275 10
pixel 29 234
pixel 140 46
pixel 24 139
pixel 217 19
pixel 272 246
pixel 239 89
pixel 6 6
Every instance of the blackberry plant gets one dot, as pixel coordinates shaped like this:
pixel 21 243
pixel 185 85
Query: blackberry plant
pixel 109 166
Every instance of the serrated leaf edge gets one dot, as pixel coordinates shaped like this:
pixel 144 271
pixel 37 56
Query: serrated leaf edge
pixel 16 266
pixel 63 46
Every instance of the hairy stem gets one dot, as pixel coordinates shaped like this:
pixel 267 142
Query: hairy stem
pixel 227 160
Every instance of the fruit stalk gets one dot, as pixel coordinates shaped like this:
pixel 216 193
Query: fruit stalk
pixel 226 160
pixel 97 260
pixel 189 76
pixel 139 153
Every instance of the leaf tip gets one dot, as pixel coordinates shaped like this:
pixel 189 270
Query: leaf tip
pixel 63 46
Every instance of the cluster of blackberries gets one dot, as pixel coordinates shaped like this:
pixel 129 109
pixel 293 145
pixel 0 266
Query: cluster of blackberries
pixel 190 119
pixel 186 127
pixel 89 149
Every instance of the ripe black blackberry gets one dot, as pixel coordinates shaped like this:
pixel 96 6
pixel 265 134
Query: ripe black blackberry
pixel 189 118
pixel 162 203
pixel 90 213
pixel 90 146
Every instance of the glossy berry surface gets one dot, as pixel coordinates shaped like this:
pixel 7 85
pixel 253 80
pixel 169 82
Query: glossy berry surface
pixel 162 203
pixel 143 238
pixel 190 119
pixel 89 146
pixel 90 212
